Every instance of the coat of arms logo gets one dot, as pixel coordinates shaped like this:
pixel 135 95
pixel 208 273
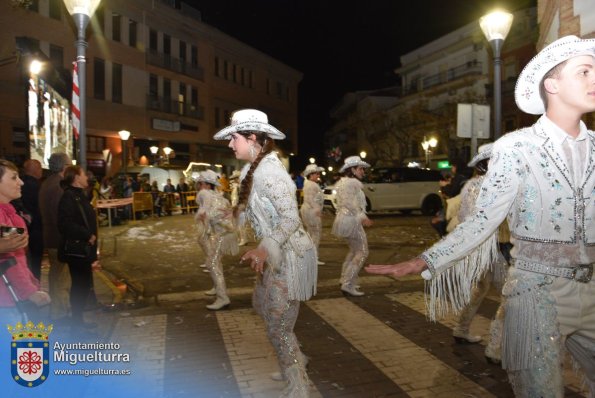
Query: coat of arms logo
pixel 29 353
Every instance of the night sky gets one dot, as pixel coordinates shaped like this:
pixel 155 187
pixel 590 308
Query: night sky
pixel 338 46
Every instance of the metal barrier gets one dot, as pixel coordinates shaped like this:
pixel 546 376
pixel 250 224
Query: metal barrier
pixel 188 201
pixel 142 201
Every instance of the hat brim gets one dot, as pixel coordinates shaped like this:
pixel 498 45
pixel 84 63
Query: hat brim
pixel 347 166
pixel 316 170
pixel 527 90
pixel 479 157
pixel 270 131
pixel 216 183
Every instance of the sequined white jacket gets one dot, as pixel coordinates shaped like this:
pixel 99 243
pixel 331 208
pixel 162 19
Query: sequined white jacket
pixel 551 220
pixel 273 213
pixel 351 207
pixel 313 201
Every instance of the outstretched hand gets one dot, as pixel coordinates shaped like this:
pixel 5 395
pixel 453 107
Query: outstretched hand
pixel 257 258
pixel 413 266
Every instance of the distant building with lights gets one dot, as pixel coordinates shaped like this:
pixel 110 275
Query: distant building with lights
pixel 455 68
pixel 154 69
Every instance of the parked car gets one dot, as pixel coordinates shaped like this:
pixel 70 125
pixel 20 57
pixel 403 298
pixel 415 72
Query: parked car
pixel 397 188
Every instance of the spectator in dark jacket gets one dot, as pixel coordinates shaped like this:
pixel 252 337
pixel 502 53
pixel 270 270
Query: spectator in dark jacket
pixel 32 173
pixel 76 221
pixel 50 194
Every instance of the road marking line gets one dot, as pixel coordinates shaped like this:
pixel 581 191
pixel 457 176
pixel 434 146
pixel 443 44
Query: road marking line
pixel 251 355
pixel 411 367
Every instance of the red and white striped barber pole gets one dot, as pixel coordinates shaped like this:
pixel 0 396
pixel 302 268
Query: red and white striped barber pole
pixel 76 111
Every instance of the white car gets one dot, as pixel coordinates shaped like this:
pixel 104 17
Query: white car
pixel 399 188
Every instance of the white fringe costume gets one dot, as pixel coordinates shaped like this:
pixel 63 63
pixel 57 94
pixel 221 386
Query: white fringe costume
pixel 351 211
pixel 291 272
pixel 552 224
pixel 216 235
pixel 311 210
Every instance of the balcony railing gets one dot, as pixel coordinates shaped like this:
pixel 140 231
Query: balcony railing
pixel 469 68
pixel 177 65
pixel 169 105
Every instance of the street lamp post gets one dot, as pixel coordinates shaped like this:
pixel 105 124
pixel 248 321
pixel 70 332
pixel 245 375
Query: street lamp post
pixel 428 145
pixel 124 135
pixel 81 11
pixel 154 151
pixel 167 150
pixel 495 27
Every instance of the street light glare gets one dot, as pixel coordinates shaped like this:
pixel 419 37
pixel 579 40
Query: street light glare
pixel 124 135
pixel 35 67
pixel 86 7
pixel 363 154
pixel 433 142
pixel 154 150
pixel 496 25
pixel 312 160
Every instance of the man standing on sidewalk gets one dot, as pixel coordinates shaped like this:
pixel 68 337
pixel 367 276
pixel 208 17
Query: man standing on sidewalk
pixel 543 179
pixel 50 194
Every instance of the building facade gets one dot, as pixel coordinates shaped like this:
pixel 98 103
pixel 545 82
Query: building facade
pixel 154 69
pixel 455 68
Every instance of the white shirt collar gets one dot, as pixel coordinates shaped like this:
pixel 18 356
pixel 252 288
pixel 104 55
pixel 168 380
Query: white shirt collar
pixel 559 135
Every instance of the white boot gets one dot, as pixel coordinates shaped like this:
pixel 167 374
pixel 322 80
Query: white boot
pixel 320 262
pixel 351 290
pixel 219 304
pixel 278 376
pixel 464 337
pixel 211 292
pixel 203 266
pixel 298 384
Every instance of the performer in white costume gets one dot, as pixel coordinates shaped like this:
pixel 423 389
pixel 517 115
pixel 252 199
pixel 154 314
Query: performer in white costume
pixel 217 230
pixel 543 179
pixel 285 259
pixel 311 210
pixel 350 222
pixel 241 225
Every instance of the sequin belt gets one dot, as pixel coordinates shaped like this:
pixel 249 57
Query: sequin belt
pixel 581 273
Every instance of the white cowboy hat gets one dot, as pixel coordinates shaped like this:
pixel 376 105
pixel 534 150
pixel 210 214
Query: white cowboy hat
pixel 249 120
pixel 526 92
pixel 312 168
pixel 235 174
pixel 208 176
pixel 353 161
pixel 484 152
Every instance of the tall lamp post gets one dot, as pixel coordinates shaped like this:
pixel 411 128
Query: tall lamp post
pixel 428 145
pixel 81 11
pixel 495 27
pixel 124 135
pixel 154 151
pixel 167 150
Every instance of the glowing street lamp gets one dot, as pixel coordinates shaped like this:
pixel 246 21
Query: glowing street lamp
pixel 124 135
pixel 81 12
pixel 154 151
pixel 363 154
pixel 495 27
pixel 167 150
pixel 428 145
pixel 35 67
pixel 312 160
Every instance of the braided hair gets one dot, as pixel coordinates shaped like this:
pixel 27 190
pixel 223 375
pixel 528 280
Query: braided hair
pixel 267 145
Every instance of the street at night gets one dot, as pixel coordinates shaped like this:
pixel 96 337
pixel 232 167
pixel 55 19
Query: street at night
pixel 377 345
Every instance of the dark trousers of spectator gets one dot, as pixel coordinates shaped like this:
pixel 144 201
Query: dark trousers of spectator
pixel 81 288
pixel 35 252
